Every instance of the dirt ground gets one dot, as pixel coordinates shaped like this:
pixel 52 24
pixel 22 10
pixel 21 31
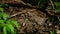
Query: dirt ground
pixel 31 20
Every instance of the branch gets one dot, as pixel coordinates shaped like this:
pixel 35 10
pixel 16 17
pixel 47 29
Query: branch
pixel 52 4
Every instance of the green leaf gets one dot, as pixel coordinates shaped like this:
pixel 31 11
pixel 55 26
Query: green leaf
pixel 2 25
pixel 1 10
pixel 5 16
pixel 51 32
pixel 57 3
pixel 13 22
pixel 51 18
pixel 57 6
pixel 11 28
pixel 0 14
pixel 1 5
pixel 4 30
pixel 5 4
pixel 49 7
pixel 1 21
pixel 57 9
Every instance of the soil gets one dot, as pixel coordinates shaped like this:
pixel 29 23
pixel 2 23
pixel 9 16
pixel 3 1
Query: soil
pixel 31 20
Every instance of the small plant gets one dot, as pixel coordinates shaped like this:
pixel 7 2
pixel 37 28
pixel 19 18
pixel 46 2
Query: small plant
pixel 7 25
pixel 2 5
pixel 51 32
pixel 51 19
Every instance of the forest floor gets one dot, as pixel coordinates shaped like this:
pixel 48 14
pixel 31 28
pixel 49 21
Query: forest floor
pixel 31 20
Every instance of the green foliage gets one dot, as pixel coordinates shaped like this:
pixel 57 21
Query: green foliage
pixel 13 22
pixel 49 7
pixel 51 19
pixel 1 5
pixel 57 4
pixel 7 25
pixel 4 30
pixel 4 16
pixel 56 0
pixel 51 32
pixel 11 28
pixel 1 9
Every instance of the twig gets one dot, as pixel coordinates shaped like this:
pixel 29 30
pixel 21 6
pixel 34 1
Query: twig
pixel 52 4
pixel 17 13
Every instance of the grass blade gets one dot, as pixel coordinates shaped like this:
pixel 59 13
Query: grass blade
pixel 4 30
